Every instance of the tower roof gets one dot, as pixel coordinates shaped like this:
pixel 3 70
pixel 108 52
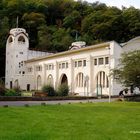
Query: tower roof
pixel 17 31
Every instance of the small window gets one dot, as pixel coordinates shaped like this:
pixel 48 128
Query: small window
pixel 84 63
pixel 50 67
pixel 106 60
pixel 95 61
pixel 79 63
pixel 101 61
pixel 30 69
pixel 46 67
pixel 63 65
pixel 21 39
pixel 10 39
pixel 59 66
pixel 38 68
pixel 75 63
pixel 67 65
pixel 20 52
pixel 23 72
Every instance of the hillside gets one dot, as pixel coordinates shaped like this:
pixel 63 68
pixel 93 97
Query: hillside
pixel 54 24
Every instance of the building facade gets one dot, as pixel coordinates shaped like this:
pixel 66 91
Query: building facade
pixel 86 69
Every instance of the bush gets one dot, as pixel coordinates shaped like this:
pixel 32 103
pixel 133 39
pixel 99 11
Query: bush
pixel 2 89
pixel 63 90
pixel 17 89
pixel 49 90
pixel 12 92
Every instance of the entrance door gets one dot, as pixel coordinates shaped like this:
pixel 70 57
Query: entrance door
pixel 64 79
pixel 28 87
pixel 11 85
pixel 99 90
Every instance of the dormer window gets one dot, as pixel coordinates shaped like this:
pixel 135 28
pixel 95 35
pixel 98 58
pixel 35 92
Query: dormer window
pixel 21 39
pixel 10 40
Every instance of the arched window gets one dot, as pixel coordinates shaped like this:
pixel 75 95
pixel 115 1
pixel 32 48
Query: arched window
pixel 21 39
pixel 39 82
pixel 16 84
pixel 102 79
pixel 10 40
pixel 80 80
pixel 50 80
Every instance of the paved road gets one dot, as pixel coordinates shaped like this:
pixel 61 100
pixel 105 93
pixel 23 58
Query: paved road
pixel 22 103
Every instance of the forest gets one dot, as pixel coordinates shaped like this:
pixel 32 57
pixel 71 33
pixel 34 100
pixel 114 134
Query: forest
pixel 53 25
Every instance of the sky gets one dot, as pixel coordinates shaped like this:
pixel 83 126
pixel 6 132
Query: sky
pixel 119 3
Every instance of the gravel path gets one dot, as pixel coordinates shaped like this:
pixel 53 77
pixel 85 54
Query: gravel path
pixel 22 103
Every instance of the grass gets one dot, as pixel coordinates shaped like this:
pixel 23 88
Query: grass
pixel 99 121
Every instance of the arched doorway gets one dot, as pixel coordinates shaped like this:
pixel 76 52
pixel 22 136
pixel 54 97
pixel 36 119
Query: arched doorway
pixel 64 79
pixel 102 83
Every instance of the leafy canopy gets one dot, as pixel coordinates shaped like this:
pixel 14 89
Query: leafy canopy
pixel 129 71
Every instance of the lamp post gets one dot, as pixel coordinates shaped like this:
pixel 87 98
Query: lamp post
pixel 87 84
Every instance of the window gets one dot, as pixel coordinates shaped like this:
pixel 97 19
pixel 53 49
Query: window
pixel 21 39
pixel 75 63
pixel 84 63
pixel 38 68
pixel 10 40
pixel 67 65
pixel 59 66
pixel 101 61
pixel 63 65
pixel 95 61
pixel 46 67
pixel 80 80
pixel 50 80
pixel 106 60
pixel 30 69
pixel 79 63
pixel 39 82
pixel 102 80
pixel 50 67
pixel 20 52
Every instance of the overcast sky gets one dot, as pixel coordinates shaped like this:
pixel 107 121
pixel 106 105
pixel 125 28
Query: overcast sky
pixel 119 3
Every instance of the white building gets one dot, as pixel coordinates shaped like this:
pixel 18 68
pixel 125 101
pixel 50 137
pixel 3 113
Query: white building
pixel 84 68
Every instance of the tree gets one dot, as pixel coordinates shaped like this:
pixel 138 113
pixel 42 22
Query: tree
pixel 32 21
pixel 45 38
pixel 61 40
pixel 128 72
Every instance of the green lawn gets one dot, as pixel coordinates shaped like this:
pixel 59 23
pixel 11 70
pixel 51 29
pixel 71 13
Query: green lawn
pixel 98 121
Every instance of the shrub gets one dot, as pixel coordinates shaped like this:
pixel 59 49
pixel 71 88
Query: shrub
pixel 12 92
pixel 63 90
pixel 49 90
pixel 17 89
pixel 2 89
